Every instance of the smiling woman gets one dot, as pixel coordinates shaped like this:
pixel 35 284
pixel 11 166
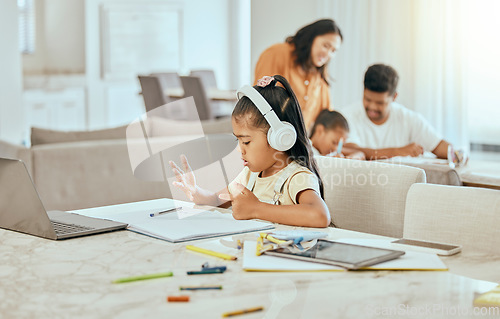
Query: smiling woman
pixel 303 61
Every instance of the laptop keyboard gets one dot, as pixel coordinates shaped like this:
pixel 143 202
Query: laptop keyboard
pixel 62 228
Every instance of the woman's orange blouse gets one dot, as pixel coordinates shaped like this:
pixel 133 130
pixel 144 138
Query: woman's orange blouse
pixel 311 90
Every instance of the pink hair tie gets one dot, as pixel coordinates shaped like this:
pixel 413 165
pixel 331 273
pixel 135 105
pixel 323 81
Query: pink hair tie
pixel 265 81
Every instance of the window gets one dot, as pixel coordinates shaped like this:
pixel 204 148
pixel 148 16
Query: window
pixel 26 26
pixel 483 80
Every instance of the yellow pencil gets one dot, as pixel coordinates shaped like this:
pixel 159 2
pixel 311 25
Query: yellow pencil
pixel 241 312
pixel 211 252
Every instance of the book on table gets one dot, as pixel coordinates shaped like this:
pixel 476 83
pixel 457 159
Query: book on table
pixel 184 224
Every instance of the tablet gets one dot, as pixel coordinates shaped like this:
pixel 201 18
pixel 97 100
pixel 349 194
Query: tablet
pixel 349 256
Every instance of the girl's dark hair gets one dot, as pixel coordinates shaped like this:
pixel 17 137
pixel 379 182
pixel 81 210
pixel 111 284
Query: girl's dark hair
pixel 303 41
pixel 285 105
pixel 330 121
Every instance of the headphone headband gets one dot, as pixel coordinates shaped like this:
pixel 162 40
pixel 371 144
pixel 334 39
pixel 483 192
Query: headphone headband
pixel 281 135
pixel 260 102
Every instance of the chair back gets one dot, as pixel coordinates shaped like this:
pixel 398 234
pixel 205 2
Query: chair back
pixel 152 92
pixel 207 78
pixel 467 216
pixel 193 86
pixel 169 80
pixel 367 196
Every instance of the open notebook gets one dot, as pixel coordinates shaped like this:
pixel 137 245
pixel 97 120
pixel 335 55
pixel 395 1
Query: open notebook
pixel 179 226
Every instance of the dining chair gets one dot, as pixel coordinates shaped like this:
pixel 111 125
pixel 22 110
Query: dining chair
pixel 207 78
pixel 466 216
pixel 194 87
pixel 367 196
pixel 209 81
pixel 169 80
pixel 152 92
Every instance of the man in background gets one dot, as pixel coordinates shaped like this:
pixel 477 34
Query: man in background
pixel 382 128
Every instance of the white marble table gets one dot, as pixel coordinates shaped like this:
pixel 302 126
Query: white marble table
pixel 72 279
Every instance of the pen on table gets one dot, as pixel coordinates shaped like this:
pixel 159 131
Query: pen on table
pixel 143 277
pixel 205 267
pixel 206 272
pixel 241 312
pixel 210 252
pixel 171 210
pixel 200 288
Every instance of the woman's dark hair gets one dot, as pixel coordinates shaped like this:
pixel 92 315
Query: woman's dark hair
pixel 303 41
pixel 285 105
pixel 330 121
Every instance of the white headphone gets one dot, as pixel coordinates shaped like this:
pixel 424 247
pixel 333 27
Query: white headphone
pixel 281 135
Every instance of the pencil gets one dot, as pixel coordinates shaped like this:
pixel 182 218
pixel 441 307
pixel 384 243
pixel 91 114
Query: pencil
pixel 210 252
pixel 143 277
pixel 200 288
pixel 241 312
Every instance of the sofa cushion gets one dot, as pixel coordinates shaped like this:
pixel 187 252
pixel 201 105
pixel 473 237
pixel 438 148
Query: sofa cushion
pixel 44 136
pixel 133 130
pixel 169 127
pixel 88 174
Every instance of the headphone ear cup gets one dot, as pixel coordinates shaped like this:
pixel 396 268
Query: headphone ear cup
pixel 283 138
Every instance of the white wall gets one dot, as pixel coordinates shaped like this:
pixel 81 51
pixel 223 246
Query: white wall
pixel 60 42
pixel 206 34
pixel 206 38
pixel 11 113
pixel 69 43
pixel 273 21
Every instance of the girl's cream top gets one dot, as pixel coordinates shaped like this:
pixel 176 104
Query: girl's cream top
pixel 291 180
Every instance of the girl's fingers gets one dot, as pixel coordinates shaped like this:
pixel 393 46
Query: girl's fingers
pixel 173 165
pixel 178 175
pixel 185 163
pixel 176 169
pixel 185 189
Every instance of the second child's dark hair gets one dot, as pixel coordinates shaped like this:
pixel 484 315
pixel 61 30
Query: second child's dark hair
pixel 381 78
pixel 303 41
pixel 330 121
pixel 285 105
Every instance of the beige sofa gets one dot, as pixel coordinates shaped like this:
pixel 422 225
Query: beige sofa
pixel 74 170
pixel 71 173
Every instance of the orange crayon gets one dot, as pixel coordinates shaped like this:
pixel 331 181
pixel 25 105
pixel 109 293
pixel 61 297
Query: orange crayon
pixel 178 298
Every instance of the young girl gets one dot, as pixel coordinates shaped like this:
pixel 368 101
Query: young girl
pixel 328 131
pixel 279 184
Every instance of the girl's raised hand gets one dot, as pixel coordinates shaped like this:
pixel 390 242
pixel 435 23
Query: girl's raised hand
pixel 185 178
pixel 245 204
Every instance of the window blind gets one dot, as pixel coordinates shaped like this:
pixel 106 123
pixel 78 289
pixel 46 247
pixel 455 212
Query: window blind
pixel 26 26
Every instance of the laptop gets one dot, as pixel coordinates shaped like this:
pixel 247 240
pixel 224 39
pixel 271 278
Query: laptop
pixel 22 210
